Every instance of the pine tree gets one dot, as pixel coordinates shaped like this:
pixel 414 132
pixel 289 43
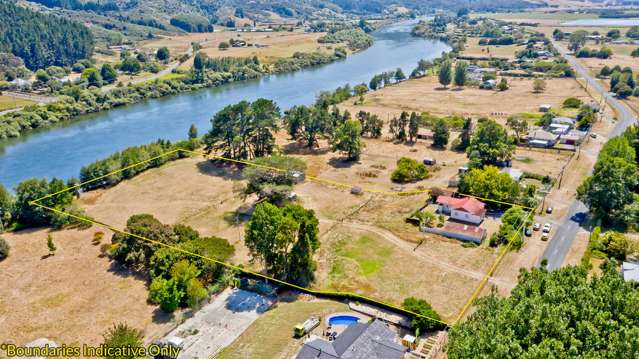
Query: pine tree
pixel 445 73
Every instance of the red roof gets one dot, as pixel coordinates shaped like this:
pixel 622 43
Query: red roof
pixel 466 229
pixel 466 204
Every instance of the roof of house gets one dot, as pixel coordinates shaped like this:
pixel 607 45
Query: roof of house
pixel 564 120
pixel 465 229
pixel 359 341
pixel 542 135
pixel 630 271
pixel 466 204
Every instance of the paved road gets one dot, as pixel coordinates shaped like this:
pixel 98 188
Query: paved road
pixel 567 230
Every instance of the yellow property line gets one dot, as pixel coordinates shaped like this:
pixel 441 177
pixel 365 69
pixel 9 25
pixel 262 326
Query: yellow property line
pixel 491 271
pixel 244 270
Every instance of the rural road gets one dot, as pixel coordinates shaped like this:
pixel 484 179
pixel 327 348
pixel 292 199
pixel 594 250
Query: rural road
pixel 566 232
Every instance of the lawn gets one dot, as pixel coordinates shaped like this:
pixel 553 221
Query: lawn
pixel 9 102
pixel 360 260
pixel 271 336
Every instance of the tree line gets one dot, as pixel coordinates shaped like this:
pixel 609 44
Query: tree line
pixel 177 278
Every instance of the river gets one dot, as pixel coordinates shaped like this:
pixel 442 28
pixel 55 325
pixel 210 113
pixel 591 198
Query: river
pixel 61 151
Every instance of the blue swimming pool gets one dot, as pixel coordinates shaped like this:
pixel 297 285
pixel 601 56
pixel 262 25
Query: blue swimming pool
pixel 343 320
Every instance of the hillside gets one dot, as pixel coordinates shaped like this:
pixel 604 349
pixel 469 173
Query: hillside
pixel 42 40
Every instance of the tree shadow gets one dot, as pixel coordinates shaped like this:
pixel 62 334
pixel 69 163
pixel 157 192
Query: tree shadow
pixel 341 162
pixel 245 301
pixel 221 168
pixel 297 148
pixel 125 272
pixel 457 89
pixel 161 317
pixel 47 256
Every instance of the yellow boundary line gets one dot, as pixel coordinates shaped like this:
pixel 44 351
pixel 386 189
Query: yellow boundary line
pixel 355 296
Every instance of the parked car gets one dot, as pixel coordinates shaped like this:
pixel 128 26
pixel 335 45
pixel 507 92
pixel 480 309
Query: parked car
pixel 549 210
pixel 547 227
pixel 537 226
pixel 593 135
pixel 544 237
pixel 528 232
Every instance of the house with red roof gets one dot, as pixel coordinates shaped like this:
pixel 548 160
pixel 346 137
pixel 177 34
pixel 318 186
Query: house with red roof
pixel 466 209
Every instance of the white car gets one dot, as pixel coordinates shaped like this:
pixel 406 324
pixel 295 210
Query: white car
pixel 536 226
pixel 547 228
pixel 544 237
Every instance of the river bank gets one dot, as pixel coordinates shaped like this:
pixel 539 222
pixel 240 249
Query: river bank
pixel 64 148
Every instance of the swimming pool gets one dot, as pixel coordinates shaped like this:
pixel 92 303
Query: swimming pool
pixel 343 320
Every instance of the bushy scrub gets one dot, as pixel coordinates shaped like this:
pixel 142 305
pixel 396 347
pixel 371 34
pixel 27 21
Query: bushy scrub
pixel 409 170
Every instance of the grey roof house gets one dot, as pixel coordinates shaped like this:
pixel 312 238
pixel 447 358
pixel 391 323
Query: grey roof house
pixel 359 341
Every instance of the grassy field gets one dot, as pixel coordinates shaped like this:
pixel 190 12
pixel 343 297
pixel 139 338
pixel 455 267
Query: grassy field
pixel 473 48
pixel 72 297
pixel 360 260
pixel 427 95
pixel 271 335
pixel 9 102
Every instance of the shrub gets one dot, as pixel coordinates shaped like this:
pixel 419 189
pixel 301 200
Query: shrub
pixel 420 306
pixel 572 102
pixel 409 170
pixel 4 249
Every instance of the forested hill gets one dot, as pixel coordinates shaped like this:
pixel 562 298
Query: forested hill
pixel 40 39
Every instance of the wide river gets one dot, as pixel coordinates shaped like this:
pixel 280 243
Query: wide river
pixel 61 151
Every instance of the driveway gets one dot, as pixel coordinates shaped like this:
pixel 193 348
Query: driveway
pixel 219 323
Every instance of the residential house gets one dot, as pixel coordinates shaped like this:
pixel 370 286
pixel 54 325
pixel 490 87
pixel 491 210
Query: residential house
pixel 466 209
pixel 374 340
pixel 541 138
pixel 630 271
pixel 574 137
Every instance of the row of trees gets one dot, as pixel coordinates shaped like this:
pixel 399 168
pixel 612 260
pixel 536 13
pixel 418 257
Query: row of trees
pixel 178 278
pixel 132 161
pixel 609 191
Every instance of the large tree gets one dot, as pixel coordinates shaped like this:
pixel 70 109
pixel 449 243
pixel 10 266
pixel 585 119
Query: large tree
pixel 491 142
pixel 490 183
pixel 284 241
pixel 566 313
pixel 244 130
pixel 460 73
pixel 348 139
pixel 440 133
pixel 445 73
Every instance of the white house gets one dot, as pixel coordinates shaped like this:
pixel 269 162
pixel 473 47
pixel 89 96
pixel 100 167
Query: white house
pixel 467 209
